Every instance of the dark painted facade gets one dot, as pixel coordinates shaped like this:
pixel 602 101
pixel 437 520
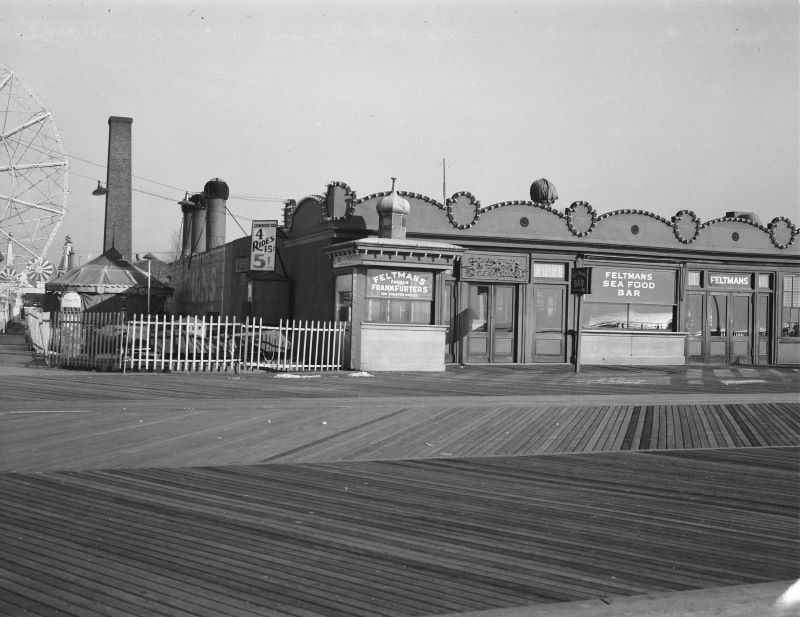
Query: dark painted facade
pixel 663 291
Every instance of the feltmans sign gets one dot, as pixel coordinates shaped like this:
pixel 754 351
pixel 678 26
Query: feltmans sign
pixel 729 279
pixel 408 284
pixel 635 285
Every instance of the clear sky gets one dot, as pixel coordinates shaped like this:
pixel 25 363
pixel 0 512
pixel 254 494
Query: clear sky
pixel 654 105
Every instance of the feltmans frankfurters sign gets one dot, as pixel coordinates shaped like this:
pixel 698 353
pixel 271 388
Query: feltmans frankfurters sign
pixel 634 285
pixel 408 284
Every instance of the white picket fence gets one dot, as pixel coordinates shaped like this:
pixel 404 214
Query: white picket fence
pixel 213 343
pixel 107 341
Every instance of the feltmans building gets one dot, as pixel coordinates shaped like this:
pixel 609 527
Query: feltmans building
pixel 425 283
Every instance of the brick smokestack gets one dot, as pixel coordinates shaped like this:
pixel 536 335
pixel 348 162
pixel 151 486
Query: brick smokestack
pixel 118 226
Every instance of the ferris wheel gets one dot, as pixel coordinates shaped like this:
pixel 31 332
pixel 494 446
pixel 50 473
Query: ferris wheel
pixel 33 182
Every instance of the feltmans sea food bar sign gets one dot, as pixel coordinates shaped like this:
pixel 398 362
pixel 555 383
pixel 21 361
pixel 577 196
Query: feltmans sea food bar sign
pixel 408 284
pixel 637 285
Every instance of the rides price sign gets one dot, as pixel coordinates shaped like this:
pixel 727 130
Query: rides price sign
pixel 262 246
pixel 637 285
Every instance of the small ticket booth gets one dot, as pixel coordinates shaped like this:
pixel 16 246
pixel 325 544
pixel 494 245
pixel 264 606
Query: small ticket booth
pixel 391 290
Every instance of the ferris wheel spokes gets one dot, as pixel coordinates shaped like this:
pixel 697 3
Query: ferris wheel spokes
pixel 33 174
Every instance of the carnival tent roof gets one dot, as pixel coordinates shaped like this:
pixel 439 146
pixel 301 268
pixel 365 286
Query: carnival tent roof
pixel 158 268
pixel 108 273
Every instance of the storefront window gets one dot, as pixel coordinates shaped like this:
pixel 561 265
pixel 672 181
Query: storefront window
pixel 629 316
pixel 550 271
pixel 631 299
pixel 790 318
pixel 393 310
pixel 399 296
pixel 344 297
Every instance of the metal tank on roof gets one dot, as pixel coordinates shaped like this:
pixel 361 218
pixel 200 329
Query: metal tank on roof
pixel 187 209
pixel 198 224
pixel 216 193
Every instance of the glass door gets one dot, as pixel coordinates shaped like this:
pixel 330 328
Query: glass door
pixel 449 320
pixel 503 322
pixel 492 323
pixel 720 328
pixel 716 346
pixel 549 338
pixel 763 329
pixel 695 320
pixel 741 337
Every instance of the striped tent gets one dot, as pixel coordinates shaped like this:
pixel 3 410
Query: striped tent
pixel 109 283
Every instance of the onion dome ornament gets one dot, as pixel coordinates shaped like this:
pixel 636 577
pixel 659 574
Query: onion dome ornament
pixel 392 214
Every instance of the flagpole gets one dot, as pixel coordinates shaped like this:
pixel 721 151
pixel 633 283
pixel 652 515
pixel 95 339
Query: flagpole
pixel 444 183
pixel 148 287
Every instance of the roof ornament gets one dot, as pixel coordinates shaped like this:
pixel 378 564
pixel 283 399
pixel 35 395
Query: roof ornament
pixel 392 214
pixel 544 192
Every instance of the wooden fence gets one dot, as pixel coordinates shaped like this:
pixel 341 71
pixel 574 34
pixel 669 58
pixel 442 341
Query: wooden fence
pixel 167 343
pixel 83 340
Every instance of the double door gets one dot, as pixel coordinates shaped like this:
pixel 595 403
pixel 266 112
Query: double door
pixel 491 323
pixel 728 328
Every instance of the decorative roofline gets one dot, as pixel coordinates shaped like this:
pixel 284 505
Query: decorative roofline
pixel 652 215
pixel 773 229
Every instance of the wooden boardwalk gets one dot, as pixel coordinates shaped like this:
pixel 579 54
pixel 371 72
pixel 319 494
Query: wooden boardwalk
pixel 404 496
pixel 83 386
pixel 394 537
pixel 489 430
pixel 289 430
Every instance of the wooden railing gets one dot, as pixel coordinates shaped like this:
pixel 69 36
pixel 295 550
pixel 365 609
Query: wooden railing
pixel 39 331
pixel 83 340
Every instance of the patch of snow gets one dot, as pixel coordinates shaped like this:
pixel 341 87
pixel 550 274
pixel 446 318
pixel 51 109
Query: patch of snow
pixel 293 376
